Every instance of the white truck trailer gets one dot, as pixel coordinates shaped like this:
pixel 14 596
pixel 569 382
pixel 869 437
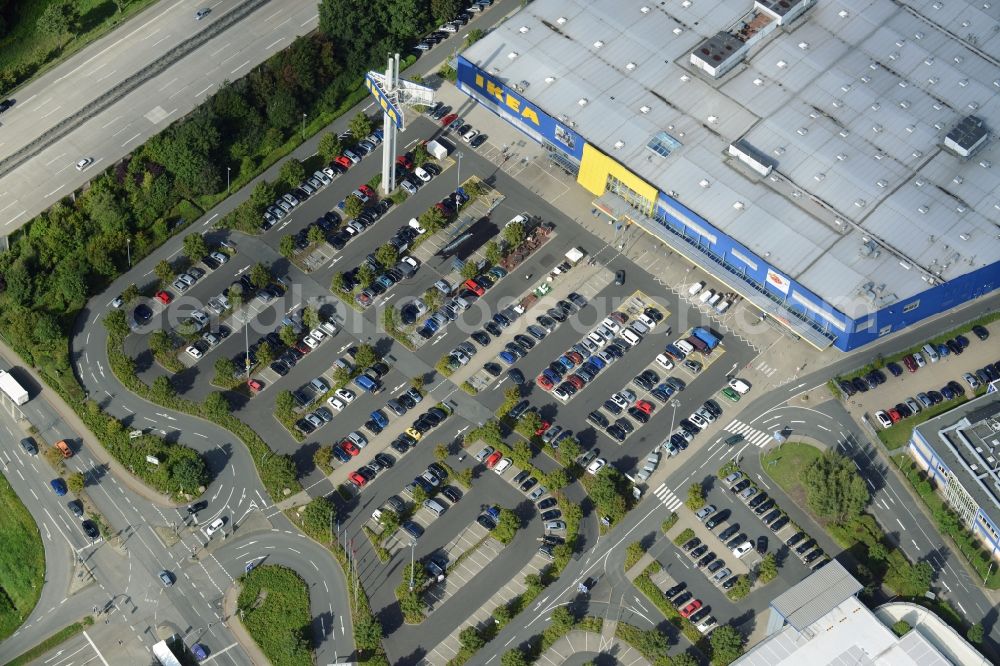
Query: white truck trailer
pixel 12 389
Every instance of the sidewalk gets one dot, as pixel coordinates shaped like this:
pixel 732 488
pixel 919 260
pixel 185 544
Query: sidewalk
pixel 69 416
pixel 234 625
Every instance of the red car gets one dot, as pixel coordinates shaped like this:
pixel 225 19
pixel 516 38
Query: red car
pixel 545 426
pixel 910 362
pixel 644 406
pixel 544 383
pixel 894 415
pixel 164 297
pixel 255 386
pixel 689 610
pixel 449 119
pixel 404 162
pixel 577 381
pixel 576 357
pixel 474 288
pixel 350 447
pixel 367 191
pixel 344 161
pixel 303 347
pixel 357 479
pixel 494 458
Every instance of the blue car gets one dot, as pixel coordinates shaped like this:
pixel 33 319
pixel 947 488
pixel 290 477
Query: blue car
pixel 551 376
pixel 566 362
pixel 507 357
pixel 675 352
pixel 494 513
pixel 431 325
pixel 59 486
pixel 598 362
pixel 380 418
pixel 943 350
pixel 341 455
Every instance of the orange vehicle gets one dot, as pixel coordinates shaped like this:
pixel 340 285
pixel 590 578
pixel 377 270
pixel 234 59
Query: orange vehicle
pixel 63 447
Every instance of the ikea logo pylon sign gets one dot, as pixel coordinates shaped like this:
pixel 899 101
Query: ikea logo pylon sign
pixel 514 108
pixel 512 102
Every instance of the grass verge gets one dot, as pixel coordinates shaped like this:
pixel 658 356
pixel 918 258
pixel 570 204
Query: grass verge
pixel 274 608
pixel 899 434
pixel 22 561
pixel 52 641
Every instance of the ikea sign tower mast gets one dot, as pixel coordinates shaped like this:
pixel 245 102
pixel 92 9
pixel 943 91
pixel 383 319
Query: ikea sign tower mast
pixel 392 94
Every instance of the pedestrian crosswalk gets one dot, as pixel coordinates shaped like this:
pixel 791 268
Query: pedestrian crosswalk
pixel 750 434
pixel 667 497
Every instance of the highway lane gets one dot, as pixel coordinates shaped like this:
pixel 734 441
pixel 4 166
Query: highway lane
pixel 38 182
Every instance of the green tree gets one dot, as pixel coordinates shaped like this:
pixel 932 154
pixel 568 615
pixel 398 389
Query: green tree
pixel 215 406
pixel 292 172
pixel 286 246
pixel 342 375
pixel 528 424
pixel 493 253
pixel 741 589
pixel 432 220
pixel 727 645
pixel 470 639
pixel 262 196
pixel 321 457
pixel 361 125
pixel 695 497
pixel 975 633
pixel 557 478
pixel 315 235
pixel 337 283
pixel 562 620
pixel 441 452
pixel 511 396
pixel 225 370
pixel 59 18
pixel 878 552
pixel 901 628
pixel 469 270
pixel 260 275
pixel 164 271
pixel 502 614
pixel 265 354
pixel 420 155
pixel 75 482
pixel 365 356
pixel 684 659
pixel 768 568
pixel 131 293
pixel 419 495
pixel 445 10
pixel 387 255
pixel 318 517
pixel 507 526
pixel 907 580
pixel 284 403
pixel 569 450
pixel 834 488
pixel 432 299
pixel 473 36
pixel 310 317
pixel 514 657
pixel 163 390
pixel 288 336
pixel 513 234
pixel 189 473
pixel 195 246
pixel 116 323
pixel 365 276
pixel 607 492
pixel 329 146
pixel 353 206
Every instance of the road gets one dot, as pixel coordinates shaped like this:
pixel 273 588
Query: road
pixel 35 175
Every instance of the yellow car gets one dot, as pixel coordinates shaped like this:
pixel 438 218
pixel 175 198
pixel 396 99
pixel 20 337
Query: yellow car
pixel 412 432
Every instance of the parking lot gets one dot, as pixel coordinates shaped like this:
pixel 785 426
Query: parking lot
pixel 473 552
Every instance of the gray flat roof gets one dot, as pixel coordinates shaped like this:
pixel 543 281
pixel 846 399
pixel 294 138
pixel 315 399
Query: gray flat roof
pixel 852 101
pixel 815 596
pixel 966 440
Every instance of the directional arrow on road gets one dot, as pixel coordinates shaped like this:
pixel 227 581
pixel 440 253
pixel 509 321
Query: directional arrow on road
pixel 400 386
pixel 341 350
pixel 461 431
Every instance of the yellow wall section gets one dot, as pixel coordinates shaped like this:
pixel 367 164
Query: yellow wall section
pixel 595 167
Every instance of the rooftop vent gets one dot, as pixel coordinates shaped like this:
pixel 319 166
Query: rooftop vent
pixel 782 64
pixel 841 157
pixel 550 79
pixel 904 103
pixel 644 9
pixel 677 31
pixel 619 144
pixel 923 210
pixel 758 81
pixel 819 177
pixel 523 29
pixel 713 119
pixel 630 66
pixel 686 4
pixel 561 20
pixel 843 13
pixel 739 205
pixel 918 35
pixel 933 80
pixel 582 101
pixel 882 183
pixel 964 237
pixel 513 54
pixel 804 46
pixel 598 44
pixel 929 60
pixel 644 109
pixel 802 131
pixel 704 184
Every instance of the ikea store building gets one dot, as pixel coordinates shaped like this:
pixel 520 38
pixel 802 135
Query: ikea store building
pixel 831 161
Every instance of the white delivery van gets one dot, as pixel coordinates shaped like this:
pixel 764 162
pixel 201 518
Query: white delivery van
pixel 706 296
pixel 684 346
pixel 695 288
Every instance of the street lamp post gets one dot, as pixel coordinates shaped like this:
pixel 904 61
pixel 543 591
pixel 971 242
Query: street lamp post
pixel 228 169
pixel 459 171
pixel 303 126
pixel 128 247
pixel 412 546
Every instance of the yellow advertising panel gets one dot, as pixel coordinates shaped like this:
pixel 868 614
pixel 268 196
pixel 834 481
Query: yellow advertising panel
pixel 595 167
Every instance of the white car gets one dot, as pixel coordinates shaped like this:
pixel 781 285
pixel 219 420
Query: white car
pixel 186 279
pixel 220 257
pixel 742 549
pixel 649 322
pixel 214 526
pixel 84 163
pixel 336 403
pixel 611 325
pixel 883 419
pixel 739 385
pixel 705 414
pixel 595 466
pixel 503 465
pixel 415 265
pixel 311 342
pixel 180 286
pixel 623 398
pixel 664 361
pixel 330 173
pixel 194 352
pixel 470 135
pixel 484 453
pixel 345 394
pixel 698 421
pixel 200 317
pixel 421 174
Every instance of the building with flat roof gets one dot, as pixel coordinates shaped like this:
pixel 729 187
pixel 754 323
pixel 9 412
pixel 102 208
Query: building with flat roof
pixel 960 451
pixel 821 621
pixel 830 161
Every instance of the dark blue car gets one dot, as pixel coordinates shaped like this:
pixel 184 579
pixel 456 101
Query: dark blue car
pixel 380 418
pixel 59 486
pixel 507 357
